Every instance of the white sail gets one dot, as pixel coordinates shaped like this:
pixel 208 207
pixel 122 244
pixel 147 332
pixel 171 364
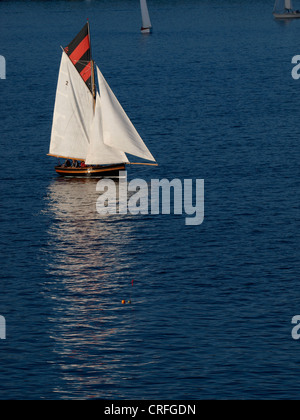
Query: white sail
pixel 73 114
pixel 98 152
pixel 118 130
pixel 282 5
pixel 145 14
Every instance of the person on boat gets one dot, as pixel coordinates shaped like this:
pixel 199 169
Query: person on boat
pixel 83 165
pixel 75 164
pixel 67 163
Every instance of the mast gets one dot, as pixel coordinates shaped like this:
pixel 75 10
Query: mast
pixel 93 83
pixel 92 67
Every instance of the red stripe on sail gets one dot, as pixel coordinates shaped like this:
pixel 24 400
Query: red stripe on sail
pixel 80 50
pixel 86 72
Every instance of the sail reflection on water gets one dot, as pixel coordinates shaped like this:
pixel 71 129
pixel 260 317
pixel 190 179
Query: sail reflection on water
pixel 88 268
pixel 87 244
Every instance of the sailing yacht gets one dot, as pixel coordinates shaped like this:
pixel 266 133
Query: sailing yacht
pixel 283 9
pixel 90 129
pixel 146 23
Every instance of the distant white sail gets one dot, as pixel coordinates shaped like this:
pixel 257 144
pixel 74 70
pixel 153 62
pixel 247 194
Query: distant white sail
pixel 118 130
pixel 73 114
pixel 288 4
pixel 282 5
pixel 145 15
pixel 98 152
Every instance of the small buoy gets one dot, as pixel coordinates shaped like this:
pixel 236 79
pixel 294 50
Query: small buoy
pixel 123 302
pixel 129 302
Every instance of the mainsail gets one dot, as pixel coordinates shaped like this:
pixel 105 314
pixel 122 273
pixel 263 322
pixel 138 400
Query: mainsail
pixel 145 15
pixel 88 125
pixel 73 114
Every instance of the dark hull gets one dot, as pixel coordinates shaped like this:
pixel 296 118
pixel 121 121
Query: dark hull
pixel 91 172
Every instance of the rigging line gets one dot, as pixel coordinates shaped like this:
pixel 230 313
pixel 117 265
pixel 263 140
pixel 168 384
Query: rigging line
pixel 77 61
pixel 83 62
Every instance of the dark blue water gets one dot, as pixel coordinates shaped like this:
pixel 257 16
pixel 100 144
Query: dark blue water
pixel 211 93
